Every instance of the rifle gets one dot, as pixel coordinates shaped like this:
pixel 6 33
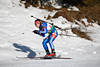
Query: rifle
pixel 52 24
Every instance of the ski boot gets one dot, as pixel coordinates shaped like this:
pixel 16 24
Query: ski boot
pixel 47 54
pixel 50 55
pixel 53 54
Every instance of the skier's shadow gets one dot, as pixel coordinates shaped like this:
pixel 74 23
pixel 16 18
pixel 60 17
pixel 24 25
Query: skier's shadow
pixel 25 49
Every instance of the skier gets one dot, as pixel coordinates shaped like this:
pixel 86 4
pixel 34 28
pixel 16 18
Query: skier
pixel 45 28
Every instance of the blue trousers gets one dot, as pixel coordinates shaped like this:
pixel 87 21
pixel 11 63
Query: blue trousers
pixel 50 40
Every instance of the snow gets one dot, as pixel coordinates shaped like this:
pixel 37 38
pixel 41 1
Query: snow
pixel 73 8
pixel 56 6
pixel 18 40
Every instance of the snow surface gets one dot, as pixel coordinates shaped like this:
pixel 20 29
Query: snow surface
pixel 73 8
pixel 18 40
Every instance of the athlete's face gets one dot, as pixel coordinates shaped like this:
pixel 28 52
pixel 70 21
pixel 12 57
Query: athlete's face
pixel 37 25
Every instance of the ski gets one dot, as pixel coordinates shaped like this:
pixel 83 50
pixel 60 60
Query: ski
pixel 37 58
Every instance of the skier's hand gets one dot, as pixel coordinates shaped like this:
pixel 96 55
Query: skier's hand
pixel 36 32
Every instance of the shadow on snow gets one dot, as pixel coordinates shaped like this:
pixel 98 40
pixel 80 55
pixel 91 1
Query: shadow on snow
pixel 25 49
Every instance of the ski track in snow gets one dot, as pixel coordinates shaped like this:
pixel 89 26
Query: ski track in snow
pixel 18 40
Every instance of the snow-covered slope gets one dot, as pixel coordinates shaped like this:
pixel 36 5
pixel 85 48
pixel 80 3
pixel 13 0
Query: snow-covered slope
pixel 18 40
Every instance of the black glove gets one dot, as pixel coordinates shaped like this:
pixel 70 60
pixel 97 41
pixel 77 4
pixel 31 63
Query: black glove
pixel 36 32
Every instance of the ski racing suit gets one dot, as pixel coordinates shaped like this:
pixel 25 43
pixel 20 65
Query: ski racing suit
pixel 47 28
